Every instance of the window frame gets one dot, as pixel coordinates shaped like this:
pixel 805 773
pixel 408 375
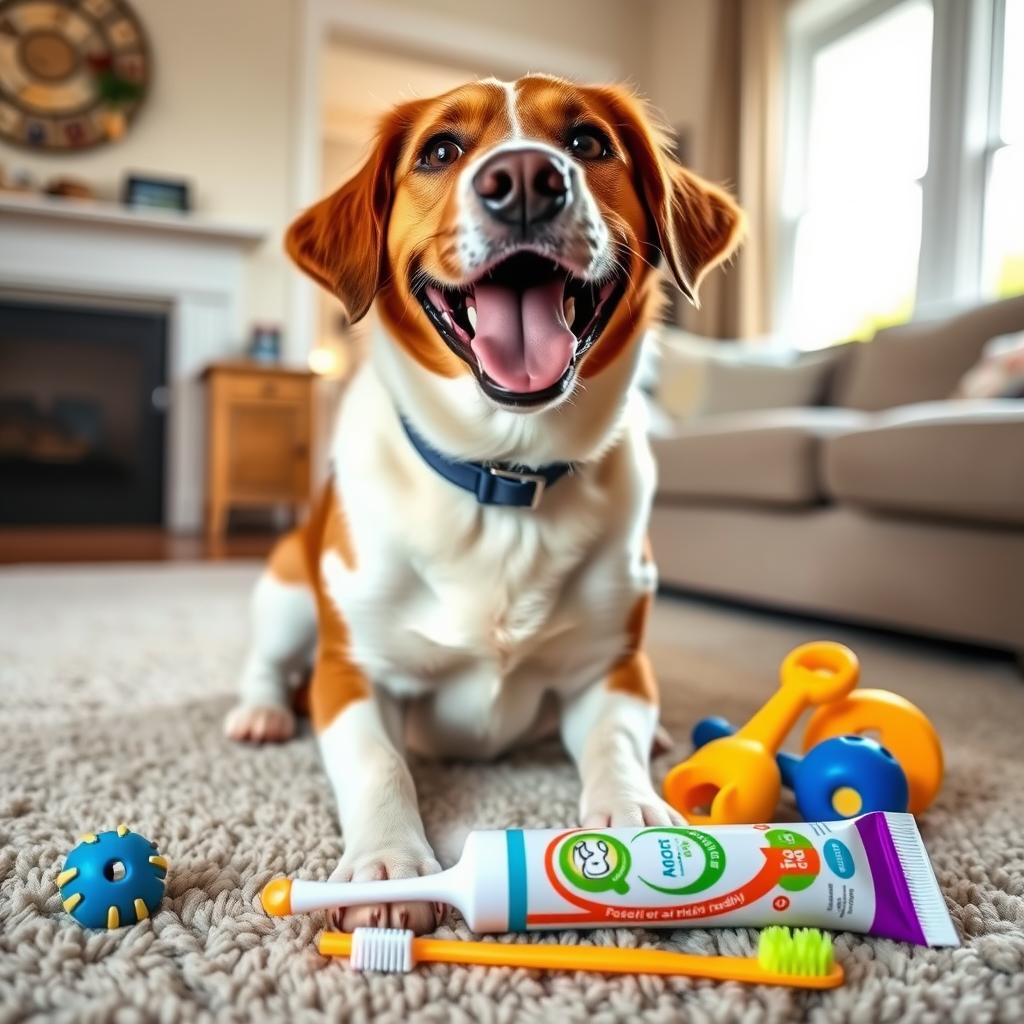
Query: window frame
pixel 993 141
pixel 964 114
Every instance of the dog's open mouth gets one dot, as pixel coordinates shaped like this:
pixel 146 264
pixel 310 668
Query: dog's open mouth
pixel 523 326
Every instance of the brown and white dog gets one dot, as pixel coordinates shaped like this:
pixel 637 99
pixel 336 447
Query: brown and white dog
pixel 509 233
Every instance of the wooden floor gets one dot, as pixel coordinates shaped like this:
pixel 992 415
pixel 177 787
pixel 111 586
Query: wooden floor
pixel 124 544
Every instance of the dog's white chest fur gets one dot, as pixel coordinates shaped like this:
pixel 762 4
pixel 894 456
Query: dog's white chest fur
pixel 476 613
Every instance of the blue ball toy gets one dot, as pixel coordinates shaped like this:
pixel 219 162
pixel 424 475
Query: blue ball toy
pixel 838 778
pixel 112 879
pixel 845 776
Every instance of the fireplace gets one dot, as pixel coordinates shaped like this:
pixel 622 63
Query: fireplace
pixel 83 396
pixel 194 269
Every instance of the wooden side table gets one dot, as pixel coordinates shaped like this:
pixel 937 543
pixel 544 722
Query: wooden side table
pixel 259 425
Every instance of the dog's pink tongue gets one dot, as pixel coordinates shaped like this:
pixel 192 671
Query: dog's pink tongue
pixel 522 340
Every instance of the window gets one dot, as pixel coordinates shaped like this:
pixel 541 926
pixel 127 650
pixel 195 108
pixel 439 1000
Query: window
pixel 1003 245
pixel 858 231
pixel 894 201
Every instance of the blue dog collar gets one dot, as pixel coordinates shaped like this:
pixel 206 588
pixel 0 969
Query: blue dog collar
pixel 511 486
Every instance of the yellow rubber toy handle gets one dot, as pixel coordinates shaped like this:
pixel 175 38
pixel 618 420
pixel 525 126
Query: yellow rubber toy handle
pixel 812 674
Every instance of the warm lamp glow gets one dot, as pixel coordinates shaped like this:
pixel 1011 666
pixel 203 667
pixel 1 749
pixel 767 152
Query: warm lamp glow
pixel 324 361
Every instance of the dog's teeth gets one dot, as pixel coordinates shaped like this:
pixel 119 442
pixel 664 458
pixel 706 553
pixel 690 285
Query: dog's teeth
pixel 570 310
pixel 447 318
pixel 471 316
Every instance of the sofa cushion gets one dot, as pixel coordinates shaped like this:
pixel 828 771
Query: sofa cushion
pixel 697 376
pixel 955 460
pixel 769 457
pixel 748 386
pixel 922 362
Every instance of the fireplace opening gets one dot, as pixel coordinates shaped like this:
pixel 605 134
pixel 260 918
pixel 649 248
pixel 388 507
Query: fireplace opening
pixel 82 414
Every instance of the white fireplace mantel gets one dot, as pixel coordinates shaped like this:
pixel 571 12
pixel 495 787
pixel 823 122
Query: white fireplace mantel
pixel 195 268
pixel 130 218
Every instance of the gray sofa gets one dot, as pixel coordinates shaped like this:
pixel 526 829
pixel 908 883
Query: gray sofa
pixel 887 504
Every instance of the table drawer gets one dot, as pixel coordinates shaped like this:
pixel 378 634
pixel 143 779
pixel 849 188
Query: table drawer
pixel 265 389
pixel 268 450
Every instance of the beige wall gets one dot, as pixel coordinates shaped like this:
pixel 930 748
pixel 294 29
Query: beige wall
pixel 218 114
pixel 585 24
pixel 360 83
pixel 681 52
pixel 613 30
pixel 663 47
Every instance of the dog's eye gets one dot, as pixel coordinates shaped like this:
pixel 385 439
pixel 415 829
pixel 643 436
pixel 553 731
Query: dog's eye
pixel 440 152
pixel 589 143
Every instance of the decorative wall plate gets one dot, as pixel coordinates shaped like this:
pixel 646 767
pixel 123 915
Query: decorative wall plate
pixel 72 72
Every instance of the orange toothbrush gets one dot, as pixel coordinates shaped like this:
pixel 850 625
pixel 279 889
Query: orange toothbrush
pixel 801 958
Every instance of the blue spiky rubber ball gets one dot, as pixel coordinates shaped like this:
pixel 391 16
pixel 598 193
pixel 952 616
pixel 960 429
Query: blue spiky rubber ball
pixel 111 879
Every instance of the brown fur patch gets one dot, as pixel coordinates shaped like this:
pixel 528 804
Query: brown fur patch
pixel 635 677
pixel 287 562
pixel 336 536
pixel 632 673
pixel 696 224
pixel 336 681
pixel 340 241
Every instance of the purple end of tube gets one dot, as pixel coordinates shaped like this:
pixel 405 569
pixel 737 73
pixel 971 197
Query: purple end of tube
pixel 895 917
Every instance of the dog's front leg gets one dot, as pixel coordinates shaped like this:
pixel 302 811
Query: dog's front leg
pixel 608 730
pixel 380 819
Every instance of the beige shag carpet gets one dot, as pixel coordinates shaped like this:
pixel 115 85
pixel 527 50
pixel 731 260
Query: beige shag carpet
pixel 113 684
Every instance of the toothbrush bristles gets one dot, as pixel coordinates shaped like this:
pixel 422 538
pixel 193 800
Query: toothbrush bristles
pixel 382 949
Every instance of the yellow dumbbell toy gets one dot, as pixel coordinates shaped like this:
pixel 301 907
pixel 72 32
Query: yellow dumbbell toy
pixel 735 779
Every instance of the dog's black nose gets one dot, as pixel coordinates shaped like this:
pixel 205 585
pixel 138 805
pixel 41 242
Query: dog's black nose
pixel 523 186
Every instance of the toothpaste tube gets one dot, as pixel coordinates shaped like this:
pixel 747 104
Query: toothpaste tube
pixel 869 874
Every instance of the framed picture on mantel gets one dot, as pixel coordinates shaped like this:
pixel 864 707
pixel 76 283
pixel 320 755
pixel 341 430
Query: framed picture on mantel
pixel 156 193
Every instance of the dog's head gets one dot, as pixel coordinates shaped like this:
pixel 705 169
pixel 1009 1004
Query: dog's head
pixel 509 232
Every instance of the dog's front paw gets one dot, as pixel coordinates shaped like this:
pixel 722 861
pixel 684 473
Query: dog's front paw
pixel 395 862
pixel 260 723
pixel 608 805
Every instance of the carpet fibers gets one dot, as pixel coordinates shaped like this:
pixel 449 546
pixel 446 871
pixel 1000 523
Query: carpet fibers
pixel 114 682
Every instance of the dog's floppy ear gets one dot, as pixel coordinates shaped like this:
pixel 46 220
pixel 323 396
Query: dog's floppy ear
pixel 340 241
pixel 698 225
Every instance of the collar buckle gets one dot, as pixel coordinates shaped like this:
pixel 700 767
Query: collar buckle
pixel 539 482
